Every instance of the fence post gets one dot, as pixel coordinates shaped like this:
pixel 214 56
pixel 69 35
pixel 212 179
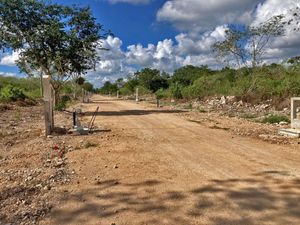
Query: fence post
pixel 137 94
pixel 48 104
pixel 117 94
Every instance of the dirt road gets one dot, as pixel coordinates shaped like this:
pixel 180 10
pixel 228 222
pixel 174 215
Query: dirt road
pixel 155 167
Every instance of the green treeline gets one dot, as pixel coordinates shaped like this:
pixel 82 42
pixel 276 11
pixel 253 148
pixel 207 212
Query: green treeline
pixel 191 82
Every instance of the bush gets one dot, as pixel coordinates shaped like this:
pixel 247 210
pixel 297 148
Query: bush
pixel 163 93
pixel 143 90
pixel 275 119
pixel 62 103
pixel 11 93
pixel 176 91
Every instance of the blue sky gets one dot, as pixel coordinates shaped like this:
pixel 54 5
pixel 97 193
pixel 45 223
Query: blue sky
pixel 133 23
pixel 168 34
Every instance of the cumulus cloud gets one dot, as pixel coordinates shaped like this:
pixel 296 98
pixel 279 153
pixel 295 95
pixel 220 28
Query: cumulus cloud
pixel 10 59
pixel 165 55
pixel 7 74
pixel 200 15
pixel 200 44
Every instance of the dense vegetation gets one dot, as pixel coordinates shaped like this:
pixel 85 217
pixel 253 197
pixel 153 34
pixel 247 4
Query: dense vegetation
pixel 15 89
pixel 190 82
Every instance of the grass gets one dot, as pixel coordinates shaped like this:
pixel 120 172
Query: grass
pixel 219 128
pixel 248 116
pixel 18 115
pixel 272 119
pixel 89 144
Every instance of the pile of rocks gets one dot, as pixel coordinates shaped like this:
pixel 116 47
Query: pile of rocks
pixel 232 106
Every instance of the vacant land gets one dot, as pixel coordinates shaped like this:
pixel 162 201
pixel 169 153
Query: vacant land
pixel 155 166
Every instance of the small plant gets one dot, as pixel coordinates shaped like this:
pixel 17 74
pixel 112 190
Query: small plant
pixel 248 116
pixel 275 119
pixel 202 110
pixel 189 106
pixel 89 144
pixel 219 128
pixel 18 116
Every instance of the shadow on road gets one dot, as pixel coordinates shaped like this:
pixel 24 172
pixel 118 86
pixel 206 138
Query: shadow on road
pixel 270 197
pixel 137 112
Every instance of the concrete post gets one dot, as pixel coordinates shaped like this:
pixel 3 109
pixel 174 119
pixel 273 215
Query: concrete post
pixel 117 94
pixel 48 104
pixel 295 121
pixel 137 94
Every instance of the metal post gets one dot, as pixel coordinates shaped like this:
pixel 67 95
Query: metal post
pixel 74 118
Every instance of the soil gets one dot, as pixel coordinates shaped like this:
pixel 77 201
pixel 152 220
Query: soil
pixel 146 165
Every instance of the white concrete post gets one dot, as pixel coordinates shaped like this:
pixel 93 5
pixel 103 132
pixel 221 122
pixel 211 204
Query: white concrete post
pixel 117 94
pixel 48 104
pixel 137 94
pixel 295 121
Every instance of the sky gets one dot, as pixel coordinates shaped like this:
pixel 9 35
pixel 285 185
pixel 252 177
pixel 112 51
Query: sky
pixel 168 34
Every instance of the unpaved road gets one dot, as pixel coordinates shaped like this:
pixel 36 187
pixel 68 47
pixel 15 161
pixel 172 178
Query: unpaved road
pixel 155 167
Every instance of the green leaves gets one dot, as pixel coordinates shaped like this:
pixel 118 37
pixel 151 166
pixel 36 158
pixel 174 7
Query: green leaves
pixel 56 40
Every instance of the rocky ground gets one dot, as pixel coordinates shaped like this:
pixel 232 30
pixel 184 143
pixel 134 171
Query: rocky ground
pixel 238 117
pixel 32 166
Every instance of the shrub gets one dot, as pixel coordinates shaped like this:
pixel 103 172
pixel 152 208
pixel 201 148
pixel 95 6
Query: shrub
pixel 176 91
pixel 11 93
pixel 275 119
pixel 163 93
pixel 62 103
pixel 143 90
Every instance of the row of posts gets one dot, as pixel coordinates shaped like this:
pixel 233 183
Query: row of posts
pixel 137 97
pixel 86 95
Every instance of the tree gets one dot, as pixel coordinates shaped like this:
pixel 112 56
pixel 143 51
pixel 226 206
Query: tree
pixel 108 88
pixel 249 44
pixel 186 75
pixel 80 81
pixel 54 40
pixel 294 63
pixel 88 86
pixel 146 75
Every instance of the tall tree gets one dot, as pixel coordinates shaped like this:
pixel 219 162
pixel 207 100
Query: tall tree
pixel 54 40
pixel 248 45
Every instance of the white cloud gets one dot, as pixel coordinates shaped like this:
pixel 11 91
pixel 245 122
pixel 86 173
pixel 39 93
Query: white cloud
pixel 188 45
pixel 7 74
pixel 138 55
pixel 200 15
pixel 271 8
pixel 164 55
pixel 10 59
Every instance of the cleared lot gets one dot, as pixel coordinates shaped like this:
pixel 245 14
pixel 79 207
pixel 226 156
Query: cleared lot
pixel 157 168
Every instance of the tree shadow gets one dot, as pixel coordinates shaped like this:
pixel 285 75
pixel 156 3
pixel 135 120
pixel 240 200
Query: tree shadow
pixel 259 199
pixel 137 112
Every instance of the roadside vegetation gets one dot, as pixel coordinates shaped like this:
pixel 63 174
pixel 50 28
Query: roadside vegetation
pixel 275 81
pixel 13 89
